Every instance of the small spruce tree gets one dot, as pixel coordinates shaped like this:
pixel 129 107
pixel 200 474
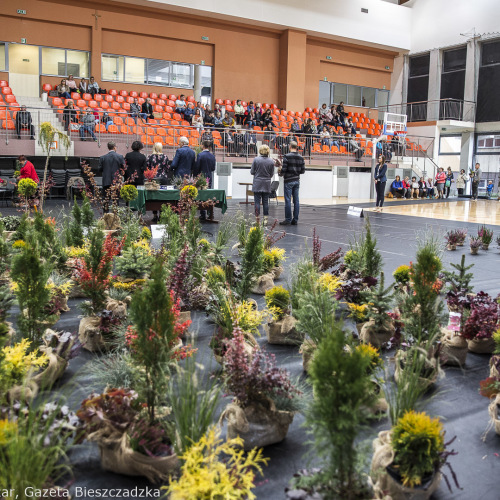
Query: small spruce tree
pixel 133 263
pixel 88 217
pixel 74 232
pixel 252 261
pixel 372 260
pixel 379 302
pixel 459 282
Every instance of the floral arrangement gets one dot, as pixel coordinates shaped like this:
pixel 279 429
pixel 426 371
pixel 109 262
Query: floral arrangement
pixel 461 235
pixel 128 192
pixel 418 443
pixel 27 187
pixel 485 234
pixel 19 360
pixel 278 302
pixel 217 468
pixel 475 242
pixel 402 274
pixel 189 192
pixel 358 312
pixel 200 182
pixel 329 282
pixel 150 173
pixel 252 380
pixel 452 238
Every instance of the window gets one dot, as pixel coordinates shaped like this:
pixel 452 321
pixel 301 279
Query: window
pixel 488 99
pixel 488 141
pixel 324 93
pixel 454 60
pixel 354 96
pixel 135 70
pixel 62 62
pixel 450 144
pixel 382 98
pixel 453 84
pixel 182 75
pixel 351 95
pixel 419 65
pixel 368 98
pixel 158 72
pixel 339 93
pixel 418 87
pixel 112 68
pixel 490 53
pixel 3 58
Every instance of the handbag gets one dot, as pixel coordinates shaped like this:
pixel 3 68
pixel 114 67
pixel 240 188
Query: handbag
pixel 447 183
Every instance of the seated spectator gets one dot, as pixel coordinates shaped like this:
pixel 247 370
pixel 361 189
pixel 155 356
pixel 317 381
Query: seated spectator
pixel 27 170
pixel 430 188
pixel 107 120
pixel 307 130
pixel 199 106
pixel 189 112
pixel 340 110
pixel 23 121
pixel 407 187
pixel 70 82
pixel 323 111
pixel 415 188
pixel 87 124
pixel 239 142
pixel 351 125
pixel 250 143
pixel 207 109
pixel 209 119
pixel 93 87
pixel 258 109
pixel 228 140
pixel 64 90
pixel 295 127
pixel 218 120
pixel 250 107
pixel 422 188
pixel 70 115
pixel 267 118
pixel 147 110
pixel 180 104
pixel 83 88
pixel 353 146
pixel 270 135
pixel 197 120
pixel 207 136
pixel 250 119
pixel 135 109
pixel 397 189
pixel 239 112
pixel 321 125
pixel 221 110
pixel 228 121
pixel 325 137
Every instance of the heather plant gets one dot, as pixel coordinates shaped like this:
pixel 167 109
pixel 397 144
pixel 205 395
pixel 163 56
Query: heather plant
pixel 485 234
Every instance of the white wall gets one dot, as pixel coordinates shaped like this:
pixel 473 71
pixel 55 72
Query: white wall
pixel 438 23
pixel 336 19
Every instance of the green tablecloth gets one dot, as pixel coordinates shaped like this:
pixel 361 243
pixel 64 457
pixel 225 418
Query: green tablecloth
pixel 219 195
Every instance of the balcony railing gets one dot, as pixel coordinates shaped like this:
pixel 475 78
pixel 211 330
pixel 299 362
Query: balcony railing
pixel 442 109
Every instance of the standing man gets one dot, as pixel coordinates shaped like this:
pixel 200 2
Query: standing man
pixel 293 167
pixel 184 160
pixel 476 178
pixel 205 164
pixel 23 121
pixel 109 165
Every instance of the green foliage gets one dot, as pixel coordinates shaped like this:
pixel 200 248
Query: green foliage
pixel 278 300
pixel 152 315
pixel 145 233
pixel 304 276
pixel 11 222
pixel 31 272
pixel 174 239
pixel 128 192
pixel 365 258
pixel 115 369
pixel 342 387
pixel 459 282
pixel 74 230
pixel 193 396
pixel 226 231
pixel 27 187
pixel 88 218
pixel 251 261
pixel 379 302
pixel 193 228
pixel 134 262
pixel 402 274
pixel 5 253
pixel 418 442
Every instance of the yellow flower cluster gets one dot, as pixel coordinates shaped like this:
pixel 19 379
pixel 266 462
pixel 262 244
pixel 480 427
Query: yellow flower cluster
pixel 329 282
pixel 370 352
pixel 7 431
pixel 217 469
pixel 278 255
pixel 358 312
pixel 131 285
pixel 19 244
pixel 76 252
pixel 143 244
pixel 190 191
pixel 18 362
pixel 249 319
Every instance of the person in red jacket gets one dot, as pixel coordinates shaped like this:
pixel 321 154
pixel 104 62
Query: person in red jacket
pixel 27 169
pixel 407 187
pixel 440 180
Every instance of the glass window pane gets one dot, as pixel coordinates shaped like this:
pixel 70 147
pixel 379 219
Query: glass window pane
pixel 182 75
pixel 135 70
pixel 454 59
pixel 489 142
pixel 419 65
pixel 112 68
pixel 78 63
pixel 497 141
pixel 53 62
pixel 354 96
pixel 490 53
pixel 382 98
pixel 368 99
pixel 2 57
pixel 206 83
pixel 324 93
pixel 158 72
pixel 340 93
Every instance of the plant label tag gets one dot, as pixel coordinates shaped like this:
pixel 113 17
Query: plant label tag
pixel 356 211
pixel 157 231
pixel 454 322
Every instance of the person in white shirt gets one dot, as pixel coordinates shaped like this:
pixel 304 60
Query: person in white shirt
pixel 180 104
pixel 414 188
pixel 239 112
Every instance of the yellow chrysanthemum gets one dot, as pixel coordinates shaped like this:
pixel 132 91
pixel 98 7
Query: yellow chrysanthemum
pixel 189 191
pixel 19 244
pixel 358 312
pixel 370 352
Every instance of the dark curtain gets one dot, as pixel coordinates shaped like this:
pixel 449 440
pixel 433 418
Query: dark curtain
pixel 488 97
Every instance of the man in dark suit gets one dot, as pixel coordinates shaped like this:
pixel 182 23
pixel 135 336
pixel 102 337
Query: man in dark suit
pixel 23 121
pixel 147 110
pixel 184 159
pixel 205 164
pixel 109 165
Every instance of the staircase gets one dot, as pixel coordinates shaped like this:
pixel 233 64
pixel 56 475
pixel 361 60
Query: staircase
pixel 42 112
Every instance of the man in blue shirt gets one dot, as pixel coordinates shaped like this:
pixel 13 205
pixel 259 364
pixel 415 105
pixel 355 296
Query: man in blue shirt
pixel 184 159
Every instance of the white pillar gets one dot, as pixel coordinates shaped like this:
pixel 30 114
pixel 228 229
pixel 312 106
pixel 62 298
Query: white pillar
pixel 197 82
pixel 434 93
pixel 471 79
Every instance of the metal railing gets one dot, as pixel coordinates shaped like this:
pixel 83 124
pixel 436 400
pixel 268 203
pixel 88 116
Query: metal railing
pixel 442 109
pixel 233 144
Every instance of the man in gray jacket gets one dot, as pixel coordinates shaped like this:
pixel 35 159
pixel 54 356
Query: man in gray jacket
pixel 476 179
pixel 87 124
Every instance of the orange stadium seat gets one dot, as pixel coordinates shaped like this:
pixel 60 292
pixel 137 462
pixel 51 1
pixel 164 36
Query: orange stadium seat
pixel 98 97
pixel 46 87
pixel 112 92
pixel 123 93
pixel 11 99
pixel 133 94
pixel 120 98
pixel 144 95
pixel 8 125
pixel 163 96
pixel 4 83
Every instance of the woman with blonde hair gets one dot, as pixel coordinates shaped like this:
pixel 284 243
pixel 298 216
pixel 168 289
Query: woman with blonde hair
pixel 263 171
pixel 158 159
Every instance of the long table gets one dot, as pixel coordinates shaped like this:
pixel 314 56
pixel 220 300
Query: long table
pixel 148 200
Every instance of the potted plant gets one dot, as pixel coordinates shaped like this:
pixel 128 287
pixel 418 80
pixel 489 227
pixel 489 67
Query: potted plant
pixel 481 323
pixel 461 235
pixel 380 327
pixel 129 442
pixel 149 175
pixel 359 314
pixel 424 366
pixel 273 261
pixel 485 235
pixel 490 388
pixel 26 189
pixel 408 460
pixel 452 240
pixel 475 244
pixel 495 359
pixel 128 193
pixel 280 328
pixel 402 277
pixel 260 391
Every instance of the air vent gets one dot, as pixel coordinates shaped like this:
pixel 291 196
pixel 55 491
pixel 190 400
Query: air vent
pixel 364 11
